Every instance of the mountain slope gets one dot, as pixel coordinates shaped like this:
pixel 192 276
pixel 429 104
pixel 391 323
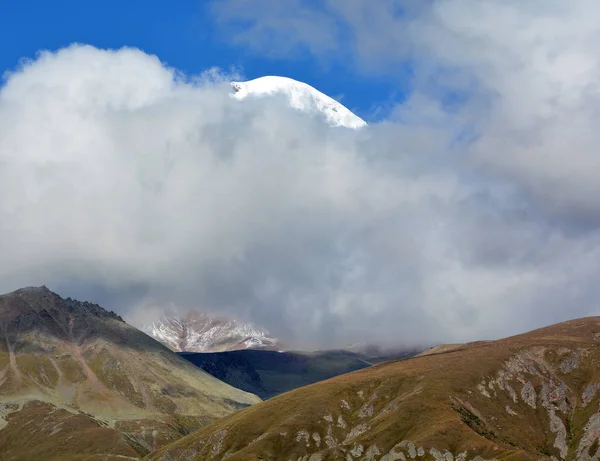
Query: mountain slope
pixel 270 373
pixel 197 331
pixel 68 366
pixel 528 397
pixel 301 96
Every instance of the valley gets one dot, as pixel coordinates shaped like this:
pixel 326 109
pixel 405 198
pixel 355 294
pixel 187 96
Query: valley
pixel 270 373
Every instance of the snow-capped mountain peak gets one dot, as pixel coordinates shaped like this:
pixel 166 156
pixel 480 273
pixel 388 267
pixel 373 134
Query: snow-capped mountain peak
pixel 301 96
pixel 196 331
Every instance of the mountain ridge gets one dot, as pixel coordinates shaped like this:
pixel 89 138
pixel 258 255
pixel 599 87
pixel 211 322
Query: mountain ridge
pixel 71 364
pixel 532 396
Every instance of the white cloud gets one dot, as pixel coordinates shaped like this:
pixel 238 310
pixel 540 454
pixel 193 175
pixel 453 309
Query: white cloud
pixel 120 176
pixel 527 74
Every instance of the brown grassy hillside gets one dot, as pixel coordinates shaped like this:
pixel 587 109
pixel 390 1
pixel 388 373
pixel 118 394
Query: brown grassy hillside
pixel 77 382
pixel 528 397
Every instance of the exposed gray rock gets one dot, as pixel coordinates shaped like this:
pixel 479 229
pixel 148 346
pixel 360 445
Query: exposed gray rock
pixel 591 433
pixel 366 411
pixel 570 364
pixel 217 441
pixel 355 432
pixel 436 454
pixel 330 440
pixel 530 361
pixel 303 435
pixel 481 388
pixel 412 452
pixel 555 394
pixel 510 411
pixel 317 439
pixel 550 399
pixel 394 455
pixel 529 395
pixel 357 450
pixel 371 453
pixel 512 393
pixel 589 393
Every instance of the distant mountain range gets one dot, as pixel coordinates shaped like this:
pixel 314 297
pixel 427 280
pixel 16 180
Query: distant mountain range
pixel 530 397
pixel 196 331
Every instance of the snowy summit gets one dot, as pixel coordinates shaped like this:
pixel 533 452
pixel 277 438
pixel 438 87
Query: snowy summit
pixel 301 96
pixel 196 331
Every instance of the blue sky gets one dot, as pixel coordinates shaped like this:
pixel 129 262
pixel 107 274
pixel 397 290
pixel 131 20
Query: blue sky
pixel 186 37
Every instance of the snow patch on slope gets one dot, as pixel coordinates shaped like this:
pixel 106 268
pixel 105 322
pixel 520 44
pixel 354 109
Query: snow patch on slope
pixel 301 96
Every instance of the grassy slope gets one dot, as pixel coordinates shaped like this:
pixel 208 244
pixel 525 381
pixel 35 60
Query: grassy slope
pixel 61 357
pixel 528 397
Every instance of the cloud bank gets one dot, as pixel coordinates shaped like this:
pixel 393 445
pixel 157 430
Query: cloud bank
pixel 463 217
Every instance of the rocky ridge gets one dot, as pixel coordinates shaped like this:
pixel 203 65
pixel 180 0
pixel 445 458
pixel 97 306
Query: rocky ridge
pixel 76 381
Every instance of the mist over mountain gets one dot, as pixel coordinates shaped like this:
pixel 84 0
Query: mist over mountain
pixel 323 236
